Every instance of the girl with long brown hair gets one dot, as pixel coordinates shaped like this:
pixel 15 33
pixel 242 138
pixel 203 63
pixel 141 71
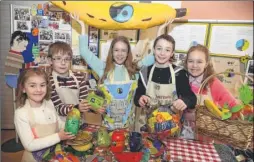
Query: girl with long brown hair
pixel 119 74
pixel 36 120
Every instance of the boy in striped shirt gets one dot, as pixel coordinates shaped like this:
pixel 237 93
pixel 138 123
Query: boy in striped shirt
pixel 69 89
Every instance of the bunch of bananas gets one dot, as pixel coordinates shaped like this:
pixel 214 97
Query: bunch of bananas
pixel 84 147
pixel 82 142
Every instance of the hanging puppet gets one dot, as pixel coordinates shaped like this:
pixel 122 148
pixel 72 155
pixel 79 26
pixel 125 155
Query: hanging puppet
pixel 14 61
pixel 20 55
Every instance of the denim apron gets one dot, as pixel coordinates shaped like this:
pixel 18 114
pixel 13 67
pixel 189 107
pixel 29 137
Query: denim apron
pixel 119 112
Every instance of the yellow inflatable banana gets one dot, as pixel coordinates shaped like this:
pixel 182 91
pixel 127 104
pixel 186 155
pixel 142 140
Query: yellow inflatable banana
pixel 114 15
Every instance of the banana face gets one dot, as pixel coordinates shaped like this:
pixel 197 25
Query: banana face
pixel 112 15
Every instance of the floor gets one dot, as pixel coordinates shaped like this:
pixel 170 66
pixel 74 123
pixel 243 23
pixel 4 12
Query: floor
pixel 9 157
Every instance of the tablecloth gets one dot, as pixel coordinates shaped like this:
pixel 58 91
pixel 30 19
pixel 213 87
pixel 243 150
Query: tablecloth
pixel 191 151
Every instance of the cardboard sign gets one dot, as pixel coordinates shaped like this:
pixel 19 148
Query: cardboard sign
pixel 92 118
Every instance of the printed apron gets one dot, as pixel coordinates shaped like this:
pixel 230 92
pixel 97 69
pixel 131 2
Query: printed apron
pixel 119 114
pixel 188 130
pixel 39 131
pixel 67 95
pixel 160 117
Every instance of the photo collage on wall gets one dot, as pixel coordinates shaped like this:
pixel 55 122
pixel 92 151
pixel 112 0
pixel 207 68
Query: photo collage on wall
pixel 45 27
pixel 93 44
pixel 93 40
pixel 250 73
pixel 179 59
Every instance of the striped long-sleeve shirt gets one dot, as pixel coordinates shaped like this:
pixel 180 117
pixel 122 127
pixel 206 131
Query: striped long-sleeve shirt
pixel 68 82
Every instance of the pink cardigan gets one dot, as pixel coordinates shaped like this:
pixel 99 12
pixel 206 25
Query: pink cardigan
pixel 220 94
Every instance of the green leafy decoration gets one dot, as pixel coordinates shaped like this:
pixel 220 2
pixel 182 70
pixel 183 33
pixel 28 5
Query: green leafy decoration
pixel 237 108
pixel 246 94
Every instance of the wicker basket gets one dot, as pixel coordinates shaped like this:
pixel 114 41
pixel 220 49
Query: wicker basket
pixel 237 133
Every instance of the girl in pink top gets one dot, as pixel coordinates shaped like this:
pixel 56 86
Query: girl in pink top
pixel 200 67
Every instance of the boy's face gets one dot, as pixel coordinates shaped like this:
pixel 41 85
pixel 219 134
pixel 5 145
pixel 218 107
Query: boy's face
pixel 61 63
pixel 163 51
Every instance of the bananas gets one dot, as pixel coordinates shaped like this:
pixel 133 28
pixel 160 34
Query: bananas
pixel 213 108
pixel 83 147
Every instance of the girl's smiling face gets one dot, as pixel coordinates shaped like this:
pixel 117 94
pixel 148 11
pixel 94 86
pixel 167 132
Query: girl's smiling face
pixel 120 52
pixel 196 63
pixel 35 88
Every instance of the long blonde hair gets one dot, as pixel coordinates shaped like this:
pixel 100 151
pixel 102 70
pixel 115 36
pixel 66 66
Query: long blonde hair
pixel 129 65
pixel 209 70
pixel 23 77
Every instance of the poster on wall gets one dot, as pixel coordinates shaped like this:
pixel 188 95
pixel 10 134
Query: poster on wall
pixel 52 28
pixel 93 40
pixel 231 40
pixel 179 59
pixel 21 17
pixel 231 82
pixel 249 72
pixel 63 36
pixel 188 34
pixel 78 63
pixel 93 34
pixel 110 34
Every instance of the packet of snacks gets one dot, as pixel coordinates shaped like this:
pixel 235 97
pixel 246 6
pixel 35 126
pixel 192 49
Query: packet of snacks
pixel 163 121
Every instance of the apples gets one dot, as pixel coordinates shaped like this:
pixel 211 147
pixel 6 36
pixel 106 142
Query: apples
pixel 247 110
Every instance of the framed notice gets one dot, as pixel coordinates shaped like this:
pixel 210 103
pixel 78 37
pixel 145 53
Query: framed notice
pixel 110 34
pixel 231 82
pixel 231 40
pixel 188 34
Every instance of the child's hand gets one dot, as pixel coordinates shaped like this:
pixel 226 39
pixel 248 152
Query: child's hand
pixel 101 110
pixel 143 100
pixel 179 105
pixel 84 106
pixel 75 16
pixel 162 27
pixel 65 135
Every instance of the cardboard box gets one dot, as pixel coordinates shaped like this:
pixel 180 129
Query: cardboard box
pixel 92 118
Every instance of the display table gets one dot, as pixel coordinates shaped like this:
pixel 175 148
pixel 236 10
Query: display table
pixel 184 150
pixel 175 149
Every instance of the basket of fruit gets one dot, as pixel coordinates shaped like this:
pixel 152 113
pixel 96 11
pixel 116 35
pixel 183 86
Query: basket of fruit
pixel 233 125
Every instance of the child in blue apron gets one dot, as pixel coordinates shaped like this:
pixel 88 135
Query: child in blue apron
pixel 163 87
pixel 118 74
pixel 36 121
